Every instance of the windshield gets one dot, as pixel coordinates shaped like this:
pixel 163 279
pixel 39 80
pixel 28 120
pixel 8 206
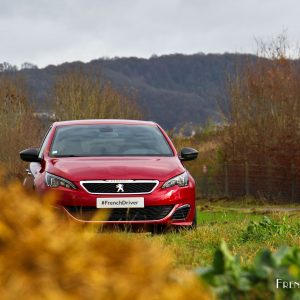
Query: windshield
pixel 109 140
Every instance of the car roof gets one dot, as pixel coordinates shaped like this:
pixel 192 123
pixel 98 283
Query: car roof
pixel 103 121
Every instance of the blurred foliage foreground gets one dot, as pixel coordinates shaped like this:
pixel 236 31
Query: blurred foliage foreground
pixel 270 276
pixel 43 256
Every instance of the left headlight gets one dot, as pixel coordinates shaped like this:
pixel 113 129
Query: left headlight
pixel 56 181
pixel 180 180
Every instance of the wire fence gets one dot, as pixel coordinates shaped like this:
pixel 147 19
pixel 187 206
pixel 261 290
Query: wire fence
pixel 259 181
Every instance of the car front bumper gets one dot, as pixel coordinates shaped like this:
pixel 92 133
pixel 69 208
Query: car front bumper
pixel 170 206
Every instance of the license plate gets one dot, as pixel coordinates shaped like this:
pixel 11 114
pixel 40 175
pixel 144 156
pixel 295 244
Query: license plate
pixel 127 202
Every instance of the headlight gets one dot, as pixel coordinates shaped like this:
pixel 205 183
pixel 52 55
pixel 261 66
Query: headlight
pixel 56 181
pixel 180 180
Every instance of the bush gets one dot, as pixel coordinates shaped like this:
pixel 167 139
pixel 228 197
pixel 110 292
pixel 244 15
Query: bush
pixel 264 105
pixel 231 280
pixel 44 257
pixel 267 228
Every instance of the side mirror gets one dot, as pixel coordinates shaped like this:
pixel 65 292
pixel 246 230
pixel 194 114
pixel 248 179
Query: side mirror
pixel 30 155
pixel 188 154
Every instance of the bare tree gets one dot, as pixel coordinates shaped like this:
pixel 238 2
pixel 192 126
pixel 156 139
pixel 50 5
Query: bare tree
pixel 28 65
pixel 80 95
pixel 264 124
pixel 7 67
pixel 18 127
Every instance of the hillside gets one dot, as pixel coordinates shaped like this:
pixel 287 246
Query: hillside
pixel 171 89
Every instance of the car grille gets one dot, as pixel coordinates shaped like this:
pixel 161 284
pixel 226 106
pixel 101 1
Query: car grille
pixel 181 213
pixel 105 187
pixel 88 213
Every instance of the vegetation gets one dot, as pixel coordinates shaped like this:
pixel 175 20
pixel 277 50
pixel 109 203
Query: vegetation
pixel 268 228
pixel 205 139
pixel 263 124
pixel 39 260
pixel 79 263
pixel 79 95
pixel 18 127
pixel 271 250
pixel 266 278
pixel 171 89
pixel 254 152
pixel 196 248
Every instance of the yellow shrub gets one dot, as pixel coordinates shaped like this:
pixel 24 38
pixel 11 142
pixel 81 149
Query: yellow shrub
pixel 45 257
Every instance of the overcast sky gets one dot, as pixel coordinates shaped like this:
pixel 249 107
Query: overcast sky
pixel 54 31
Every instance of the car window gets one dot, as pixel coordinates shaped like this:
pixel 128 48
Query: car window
pixel 44 143
pixel 109 140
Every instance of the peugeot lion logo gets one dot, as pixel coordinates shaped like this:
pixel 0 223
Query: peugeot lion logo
pixel 120 188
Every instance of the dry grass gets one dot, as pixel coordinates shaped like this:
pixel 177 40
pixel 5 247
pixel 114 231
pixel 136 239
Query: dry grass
pixel 44 257
pixel 208 146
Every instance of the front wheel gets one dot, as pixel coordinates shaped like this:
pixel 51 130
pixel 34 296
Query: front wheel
pixel 158 228
pixel 190 227
pixel 194 224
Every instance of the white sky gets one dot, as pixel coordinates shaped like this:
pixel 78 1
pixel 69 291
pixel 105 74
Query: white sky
pixel 54 31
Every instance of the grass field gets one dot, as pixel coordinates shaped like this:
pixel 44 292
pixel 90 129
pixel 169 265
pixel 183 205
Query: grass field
pixel 192 249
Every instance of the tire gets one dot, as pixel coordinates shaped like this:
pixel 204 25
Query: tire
pixel 190 227
pixel 158 229
pixel 194 223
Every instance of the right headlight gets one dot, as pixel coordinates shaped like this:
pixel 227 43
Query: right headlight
pixel 56 181
pixel 180 180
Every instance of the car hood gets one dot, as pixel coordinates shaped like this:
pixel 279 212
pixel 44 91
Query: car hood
pixel 101 168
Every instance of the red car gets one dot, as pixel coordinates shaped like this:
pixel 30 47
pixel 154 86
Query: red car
pixel 116 172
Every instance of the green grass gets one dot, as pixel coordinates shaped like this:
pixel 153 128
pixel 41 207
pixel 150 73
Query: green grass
pixel 196 248
pixel 225 216
pixel 246 202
